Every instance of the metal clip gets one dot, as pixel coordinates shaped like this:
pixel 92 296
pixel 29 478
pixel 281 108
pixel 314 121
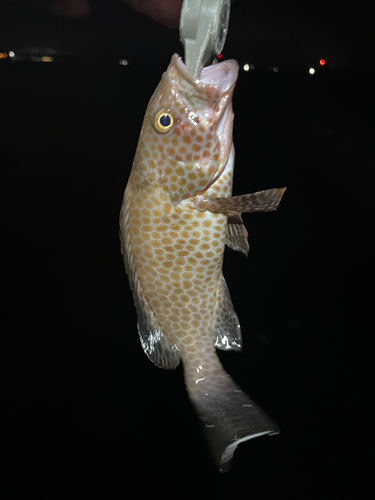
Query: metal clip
pixel 203 30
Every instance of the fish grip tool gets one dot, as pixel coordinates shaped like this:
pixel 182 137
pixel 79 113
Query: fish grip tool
pixel 203 30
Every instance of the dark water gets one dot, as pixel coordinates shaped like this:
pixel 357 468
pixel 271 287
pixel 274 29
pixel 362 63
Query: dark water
pixel 87 413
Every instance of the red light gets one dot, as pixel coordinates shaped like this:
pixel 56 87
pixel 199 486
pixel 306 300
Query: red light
pixel 219 56
pixel 322 62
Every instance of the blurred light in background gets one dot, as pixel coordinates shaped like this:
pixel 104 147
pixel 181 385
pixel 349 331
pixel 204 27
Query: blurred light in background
pixel 246 67
pixel 3 55
pixel 219 56
pixel 47 59
pixel 275 69
pixel 11 53
pixel 252 66
pixel 311 71
pixel 123 62
pixel 322 62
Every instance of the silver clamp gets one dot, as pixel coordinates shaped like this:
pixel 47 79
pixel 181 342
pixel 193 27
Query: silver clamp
pixel 203 30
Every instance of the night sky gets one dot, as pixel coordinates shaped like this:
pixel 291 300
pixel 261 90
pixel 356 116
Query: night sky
pixel 268 32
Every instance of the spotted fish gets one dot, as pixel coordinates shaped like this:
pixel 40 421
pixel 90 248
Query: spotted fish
pixel 177 215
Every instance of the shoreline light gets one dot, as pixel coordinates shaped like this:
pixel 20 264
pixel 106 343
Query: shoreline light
pixel 246 67
pixel 311 71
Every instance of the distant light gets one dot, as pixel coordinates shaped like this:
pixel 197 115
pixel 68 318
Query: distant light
pixel 322 62
pixel 3 55
pixel 219 56
pixel 11 53
pixel 123 62
pixel 252 66
pixel 246 67
pixel 47 59
pixel 276 69
pixel 311 71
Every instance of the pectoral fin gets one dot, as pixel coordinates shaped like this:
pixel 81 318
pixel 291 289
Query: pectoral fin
pixel 261 201
pixel 237 234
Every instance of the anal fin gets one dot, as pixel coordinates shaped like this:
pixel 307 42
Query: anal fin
pixel 227 332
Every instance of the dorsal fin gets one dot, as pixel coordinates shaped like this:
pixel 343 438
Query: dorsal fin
pixel 227 332
pixel 155 344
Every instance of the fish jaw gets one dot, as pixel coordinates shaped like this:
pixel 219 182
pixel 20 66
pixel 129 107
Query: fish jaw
pixel 191 155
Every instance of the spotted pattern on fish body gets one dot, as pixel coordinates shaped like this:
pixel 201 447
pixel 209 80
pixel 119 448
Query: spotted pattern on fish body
pixel 173 229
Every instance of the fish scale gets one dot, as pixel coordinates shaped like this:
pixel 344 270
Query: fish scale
pixel 174 224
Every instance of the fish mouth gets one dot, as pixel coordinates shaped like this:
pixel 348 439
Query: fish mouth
pixel 221 75
pixel 213 91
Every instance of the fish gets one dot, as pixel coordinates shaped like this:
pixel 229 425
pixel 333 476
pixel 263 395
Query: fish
pixel 177 215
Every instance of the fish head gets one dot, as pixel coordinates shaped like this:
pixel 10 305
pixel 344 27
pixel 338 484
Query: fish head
pixel 186 135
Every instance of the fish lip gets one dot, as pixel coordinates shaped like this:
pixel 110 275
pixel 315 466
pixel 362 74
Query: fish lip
pixel 222 75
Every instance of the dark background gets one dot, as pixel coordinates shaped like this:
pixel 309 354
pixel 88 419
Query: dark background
pixel 86 412
pixel 266 31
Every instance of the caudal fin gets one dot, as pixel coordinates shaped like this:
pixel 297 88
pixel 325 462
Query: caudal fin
pixel 229 417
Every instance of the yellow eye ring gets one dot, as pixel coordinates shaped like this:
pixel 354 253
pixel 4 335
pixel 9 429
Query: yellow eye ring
pixel 163 121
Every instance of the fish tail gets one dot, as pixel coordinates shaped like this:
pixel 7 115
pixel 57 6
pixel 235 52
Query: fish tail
pixel 227 414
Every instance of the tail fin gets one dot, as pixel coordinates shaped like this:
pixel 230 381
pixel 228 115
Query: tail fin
pixel 228 415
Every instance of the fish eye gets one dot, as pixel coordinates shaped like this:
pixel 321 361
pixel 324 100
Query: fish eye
pixel 163 121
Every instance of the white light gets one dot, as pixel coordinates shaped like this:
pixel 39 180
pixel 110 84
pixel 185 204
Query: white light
pixel 276 69
pixel 123 62
pixel 11 53
pixel 311 71
pixel 246 67
pixel 252 66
